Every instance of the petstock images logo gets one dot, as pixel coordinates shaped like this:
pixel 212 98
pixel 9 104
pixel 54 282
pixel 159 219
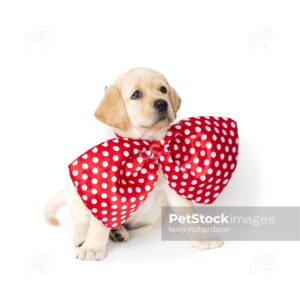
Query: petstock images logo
pixel 231 223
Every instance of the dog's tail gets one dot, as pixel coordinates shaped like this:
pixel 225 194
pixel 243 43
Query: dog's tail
pixel 51 207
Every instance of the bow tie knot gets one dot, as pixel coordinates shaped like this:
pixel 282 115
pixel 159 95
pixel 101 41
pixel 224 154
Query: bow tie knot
pixel 155 147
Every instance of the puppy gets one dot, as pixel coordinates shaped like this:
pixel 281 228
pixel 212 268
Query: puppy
pixel 140 104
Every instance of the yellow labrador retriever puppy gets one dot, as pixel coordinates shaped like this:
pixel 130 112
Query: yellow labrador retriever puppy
pixel 140 104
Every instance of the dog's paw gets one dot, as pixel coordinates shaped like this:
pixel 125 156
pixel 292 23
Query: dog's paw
pixel 79 239
pixel 119 235
pixel 81 229
pixel 89 253
pixel 209 244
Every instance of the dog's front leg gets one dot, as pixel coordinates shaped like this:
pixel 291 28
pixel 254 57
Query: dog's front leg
pixel 201 242
pixel 94 247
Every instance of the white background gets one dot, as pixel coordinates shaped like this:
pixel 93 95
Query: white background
pixel 225 58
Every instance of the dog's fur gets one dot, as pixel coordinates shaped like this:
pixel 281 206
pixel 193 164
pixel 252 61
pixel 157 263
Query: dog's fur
pixel 138 119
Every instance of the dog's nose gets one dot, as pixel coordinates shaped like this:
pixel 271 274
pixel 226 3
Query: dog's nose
pixel 160 105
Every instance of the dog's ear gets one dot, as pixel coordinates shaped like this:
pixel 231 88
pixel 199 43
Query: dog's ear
pixel 111 110
pixel 175 100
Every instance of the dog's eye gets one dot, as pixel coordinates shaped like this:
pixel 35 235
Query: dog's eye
pixel 136 95
pixel 163 89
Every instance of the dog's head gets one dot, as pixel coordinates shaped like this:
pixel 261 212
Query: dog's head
pixel 141 98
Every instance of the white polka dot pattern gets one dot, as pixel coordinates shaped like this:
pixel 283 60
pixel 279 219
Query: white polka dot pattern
pixel 197 157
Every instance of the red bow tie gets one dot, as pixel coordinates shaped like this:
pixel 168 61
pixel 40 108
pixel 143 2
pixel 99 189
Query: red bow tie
pixel 197 157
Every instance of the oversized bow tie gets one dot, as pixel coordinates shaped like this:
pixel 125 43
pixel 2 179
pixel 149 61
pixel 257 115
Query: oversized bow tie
pixel 197 157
